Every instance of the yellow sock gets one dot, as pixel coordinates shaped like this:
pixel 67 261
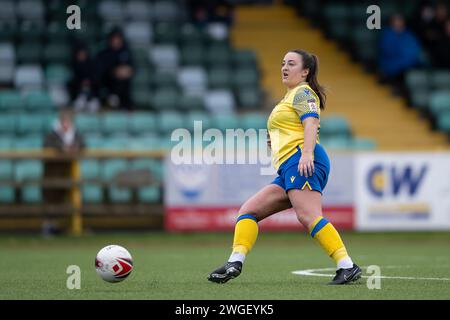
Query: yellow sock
pixel 328 238
pixel 245 233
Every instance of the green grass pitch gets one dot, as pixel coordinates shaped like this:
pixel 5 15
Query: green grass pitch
pixel 175 266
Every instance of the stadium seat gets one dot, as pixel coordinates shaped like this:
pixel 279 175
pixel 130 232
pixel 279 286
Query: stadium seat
pixel 166 33
pixel 7 53
pixel 253 121
pixel 87 122
pixel 28 170
pixel 116 142
pixel 30 123
pixel 165 99
pixel 362 144
pixel 93 141
pixel 28 142
pixel 164 79
pixel 57 30
pixel 192 80
pixel 145 142
pixel 245 78
pixel 217 32
pixel 165 11
pixel 6 174
pixel 223 122
pixel 7 123
pixel 111 10
pixel 335 126
pixel 419 98
pixel 191 35
pixel 439 102
pixel 31 31
pixel 443 122
pixel 139 34
pixel 192 55
pixel 59 95
pixel 8 30
pixel 57 52
pixel 114 122
pixel 7 194
pixel 8 10
pixel 38 101
pixel 218 55
pixel 164 57
pixel 6 141
pixel 142 122
pixel 244 58
pixel 57 74
pixel 220 78
pixel 191 102
pixel 11 100
pixel 440 80
pixel 91 192
pixel 202 116
pixel 110 168
pixel 29 77
pixel 137 10
pixel 150 194
pixel 30 52
pixel 335 143
pixel 31 194
pixel 6 74
pixel 249 98
pixel 220 101
pixel 142 97
pixel 417 79
pixel 169 121
pixel 30 10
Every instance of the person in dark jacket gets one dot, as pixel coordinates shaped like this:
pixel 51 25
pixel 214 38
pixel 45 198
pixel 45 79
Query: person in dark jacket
pixel 115 70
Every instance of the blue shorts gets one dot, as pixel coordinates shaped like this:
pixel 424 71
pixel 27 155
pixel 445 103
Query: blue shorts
pixel 289 178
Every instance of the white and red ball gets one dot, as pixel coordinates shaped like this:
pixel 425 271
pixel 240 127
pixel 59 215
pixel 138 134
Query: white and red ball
pixel 113 263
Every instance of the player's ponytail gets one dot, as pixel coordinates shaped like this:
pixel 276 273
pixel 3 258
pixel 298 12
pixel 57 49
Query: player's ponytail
pixel 311 62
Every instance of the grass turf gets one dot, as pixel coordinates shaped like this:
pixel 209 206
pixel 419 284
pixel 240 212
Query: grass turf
pixel 175 266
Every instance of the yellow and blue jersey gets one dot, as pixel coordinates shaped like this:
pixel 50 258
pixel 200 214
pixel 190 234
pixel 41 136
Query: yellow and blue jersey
pixel 285 122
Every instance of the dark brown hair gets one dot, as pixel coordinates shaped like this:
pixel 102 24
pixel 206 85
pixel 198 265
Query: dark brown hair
pixel 311 62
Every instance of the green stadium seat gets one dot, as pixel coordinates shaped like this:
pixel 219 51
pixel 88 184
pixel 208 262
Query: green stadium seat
pixel 87 122
pixel 57 30
pixel 11 100
pixel 191 102
pixel 192 55
pixel 93 140
pixel 142 97
pixel 165 80
pixel 439 102
pixel 142 122
pixel 190 34
pixel 90 168
pixel 417 79
pixel 142 79
pixel 8 31
pixel 110 169
pixel 7 123
pixel 6 169
pixel 165 99
pixel 223 122
pixel 254 121
pixel 154 166
pixel 245 78
pixel 140 58
pixel 91 193
pixel 244 58
pixel 337 11
pixel 169 121
pixel 218 55
pixel 150 194
pixel 165 33
pixel 362 144
pixel 31 194
pixel 30 123
pixel 114 122
pixel 28 170
pixel 145 142
pixel 420 98
pixel 118 142
pixel 249 98
pixel 219 78
pixel 335 126
pixel 38 101
pixel 29 52
pixel 57 52
pixel 443 122
pixel 6 141
pixel 192 116
pixel 7 194
pixel 336 143
pixel 57 74
pixel 440 80
pixel 28 142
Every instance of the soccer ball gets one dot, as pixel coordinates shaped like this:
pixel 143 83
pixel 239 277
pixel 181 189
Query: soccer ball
pixel 113 263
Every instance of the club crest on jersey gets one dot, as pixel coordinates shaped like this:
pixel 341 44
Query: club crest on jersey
pixel 312 105
pixel 306 91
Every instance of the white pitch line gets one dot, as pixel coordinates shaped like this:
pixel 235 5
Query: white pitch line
pixel 312 272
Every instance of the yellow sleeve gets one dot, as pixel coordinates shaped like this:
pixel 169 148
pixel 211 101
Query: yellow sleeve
pixel 306 103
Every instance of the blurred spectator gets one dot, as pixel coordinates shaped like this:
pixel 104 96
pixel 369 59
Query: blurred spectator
pixel 82 86
pixel 441 52
pixel 399 51
pixel 65 139
pixel 423 22
pixel 203 12
pixel 115 70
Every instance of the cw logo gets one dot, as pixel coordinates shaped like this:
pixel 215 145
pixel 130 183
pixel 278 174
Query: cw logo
pixel 391 180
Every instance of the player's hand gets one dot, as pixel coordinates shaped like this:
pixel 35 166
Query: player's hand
pixel 306 164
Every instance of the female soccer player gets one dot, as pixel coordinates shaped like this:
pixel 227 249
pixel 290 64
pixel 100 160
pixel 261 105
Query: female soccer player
pixel 302 166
